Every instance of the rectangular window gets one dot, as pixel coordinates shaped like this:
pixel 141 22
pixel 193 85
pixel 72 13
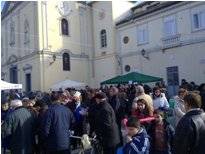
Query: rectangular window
pixel 142 34
pixel 172 80
pixel 28 82
pixel 198 20
pixel 14 74
pixel 103 41
pixel 170 26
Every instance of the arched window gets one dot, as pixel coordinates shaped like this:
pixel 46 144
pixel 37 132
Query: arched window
pixel 64 27
pixel 103 38
pixel 26 32
pixel 12 35
pixel 66 62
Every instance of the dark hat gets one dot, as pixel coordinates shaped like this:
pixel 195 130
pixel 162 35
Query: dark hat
pixel 100 95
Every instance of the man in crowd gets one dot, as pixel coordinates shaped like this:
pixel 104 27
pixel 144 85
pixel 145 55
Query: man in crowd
pixel 20 126
pixel 56 123
pixel 106 127
pixel 190 132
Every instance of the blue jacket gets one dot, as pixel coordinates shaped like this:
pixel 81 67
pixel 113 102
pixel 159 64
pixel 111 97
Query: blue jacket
pixel 56 123
pixel 139 144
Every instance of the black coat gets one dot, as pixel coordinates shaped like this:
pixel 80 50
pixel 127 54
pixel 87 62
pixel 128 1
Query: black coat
pixel 92 114
pixel 118 109
pixel 190 133
pixel 105 125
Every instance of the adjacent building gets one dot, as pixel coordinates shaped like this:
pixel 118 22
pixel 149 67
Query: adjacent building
pixel 165 39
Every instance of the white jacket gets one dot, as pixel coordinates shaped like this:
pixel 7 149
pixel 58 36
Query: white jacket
pixel 161 102
pixel 179 108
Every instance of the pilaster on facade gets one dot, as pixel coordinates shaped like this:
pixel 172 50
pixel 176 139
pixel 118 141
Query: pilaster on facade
pixel 36 30
pixel 44 25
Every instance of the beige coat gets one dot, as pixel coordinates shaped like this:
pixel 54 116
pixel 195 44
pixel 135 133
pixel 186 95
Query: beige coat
pixel 179 108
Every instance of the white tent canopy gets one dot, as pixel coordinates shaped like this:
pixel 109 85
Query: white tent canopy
pixel 67 84
pixel 6 85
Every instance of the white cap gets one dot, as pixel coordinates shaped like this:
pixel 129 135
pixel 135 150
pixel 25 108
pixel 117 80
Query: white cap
pixel 16 103
pixel 77 94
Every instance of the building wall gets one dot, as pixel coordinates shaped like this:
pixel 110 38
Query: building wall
pixel 106 56
pixel 75 44
pixel 25 54
pixel 189 49
pixel 45 41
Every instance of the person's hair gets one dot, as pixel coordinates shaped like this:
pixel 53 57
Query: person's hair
pixel 139 90
pixel 160 112
pixel 4 102
pixel 154 90
pixel 114 89
pixel 55 96
pixel 40 103
pixel 147 107
pixel 193 99
pixel 147 89
pixel 133 122
pixel 92 91
pixel 182 90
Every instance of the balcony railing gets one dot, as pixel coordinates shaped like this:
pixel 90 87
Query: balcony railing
pixel 171 41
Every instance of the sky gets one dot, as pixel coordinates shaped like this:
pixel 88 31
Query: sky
pixel 2 4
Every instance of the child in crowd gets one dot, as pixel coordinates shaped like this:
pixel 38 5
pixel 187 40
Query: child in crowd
pixel 143 110
pixel 137 139
pixel 159 99
pixel 161 133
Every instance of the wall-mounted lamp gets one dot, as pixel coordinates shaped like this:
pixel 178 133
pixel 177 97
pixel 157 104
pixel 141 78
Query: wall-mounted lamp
pixel 54 59
pixel 118 60
pixel 145 54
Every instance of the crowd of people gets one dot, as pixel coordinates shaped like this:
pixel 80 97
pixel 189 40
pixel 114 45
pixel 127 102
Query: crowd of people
pixel 39 123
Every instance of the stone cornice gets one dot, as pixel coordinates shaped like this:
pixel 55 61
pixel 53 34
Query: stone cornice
pixel 105 56
pixel 47 52
pixel 160 48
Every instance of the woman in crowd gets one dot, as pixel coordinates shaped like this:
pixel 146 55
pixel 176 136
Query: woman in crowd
pixel 179 105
